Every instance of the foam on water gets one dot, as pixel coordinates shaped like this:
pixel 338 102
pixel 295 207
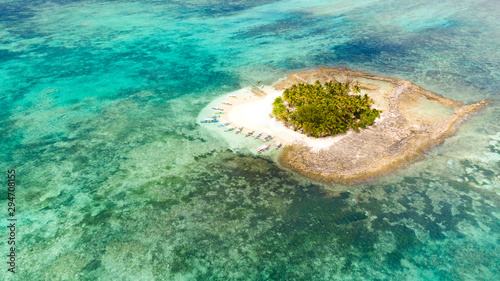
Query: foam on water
pixel 117 181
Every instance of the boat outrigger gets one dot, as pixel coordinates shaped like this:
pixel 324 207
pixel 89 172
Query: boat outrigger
pixel 218 108
pixel 263 148
pixel 224 124
pixel 239 130
pixel 249 133
pixel 209 120
pixel 229 129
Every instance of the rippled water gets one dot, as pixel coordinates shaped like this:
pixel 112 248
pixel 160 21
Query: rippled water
pixel 118 181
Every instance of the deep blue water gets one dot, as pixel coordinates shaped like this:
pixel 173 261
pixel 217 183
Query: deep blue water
pixel 117 181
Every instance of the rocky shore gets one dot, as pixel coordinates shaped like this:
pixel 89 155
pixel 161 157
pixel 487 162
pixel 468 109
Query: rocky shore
pixel 413 120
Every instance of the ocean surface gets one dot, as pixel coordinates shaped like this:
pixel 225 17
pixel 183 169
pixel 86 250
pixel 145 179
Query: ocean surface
pixel 117 179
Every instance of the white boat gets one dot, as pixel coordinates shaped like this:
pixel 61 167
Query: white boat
pixel 249 133
pixel 278 145
pixel 267 138
pixel 218 108
pixel 226 103
pixel 209 120
pixel 224 124
pixel 239 130
pixel 214 116
pixel 263 148
pixel 233 96
pixel 258 135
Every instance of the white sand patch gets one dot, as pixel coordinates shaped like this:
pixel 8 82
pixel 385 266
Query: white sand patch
pixel 252 112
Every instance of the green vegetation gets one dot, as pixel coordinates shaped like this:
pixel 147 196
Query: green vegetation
pixel 322 110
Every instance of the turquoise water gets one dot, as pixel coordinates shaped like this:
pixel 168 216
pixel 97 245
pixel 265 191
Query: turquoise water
pixel 118 181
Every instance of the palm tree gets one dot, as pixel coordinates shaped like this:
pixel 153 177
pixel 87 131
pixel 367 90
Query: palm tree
pixel 324 109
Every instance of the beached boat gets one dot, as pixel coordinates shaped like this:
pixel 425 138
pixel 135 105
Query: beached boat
pixel 233 96
pixel 224 124
pixel 278 145
pixel 226 103
pixel 239 130
pixel 258 135
pixel 263 148
pixel 267 138
pixel 218 108
pixel 229 129
pixel 219 112
pixel 214 116
pixel 249 133
pixel 209 120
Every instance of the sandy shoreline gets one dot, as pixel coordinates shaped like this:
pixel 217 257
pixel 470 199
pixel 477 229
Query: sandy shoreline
pixel 252 111
pixel 412 121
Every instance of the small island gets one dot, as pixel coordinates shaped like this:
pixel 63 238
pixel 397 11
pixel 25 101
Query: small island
pixel 339 125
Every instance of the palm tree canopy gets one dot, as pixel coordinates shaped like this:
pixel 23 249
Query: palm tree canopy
pixel 327 109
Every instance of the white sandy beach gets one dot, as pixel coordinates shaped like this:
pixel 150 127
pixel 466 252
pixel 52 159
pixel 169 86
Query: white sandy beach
pixel 252 112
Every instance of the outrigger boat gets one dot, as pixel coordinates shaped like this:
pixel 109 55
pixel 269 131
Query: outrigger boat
pixel 224 124
pixel 278 145
pixel 209 120
pixel 239 130
pixel 233 96
pixel 229 129
pixel 263 148
pixel 214 116
pixel 219 112
pixel 258 135
pixel 268 138
pixel 218 108
pixel 226 103
pixel 249 133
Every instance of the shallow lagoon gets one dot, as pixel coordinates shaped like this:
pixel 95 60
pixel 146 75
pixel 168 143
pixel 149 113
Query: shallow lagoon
pixel 117 180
